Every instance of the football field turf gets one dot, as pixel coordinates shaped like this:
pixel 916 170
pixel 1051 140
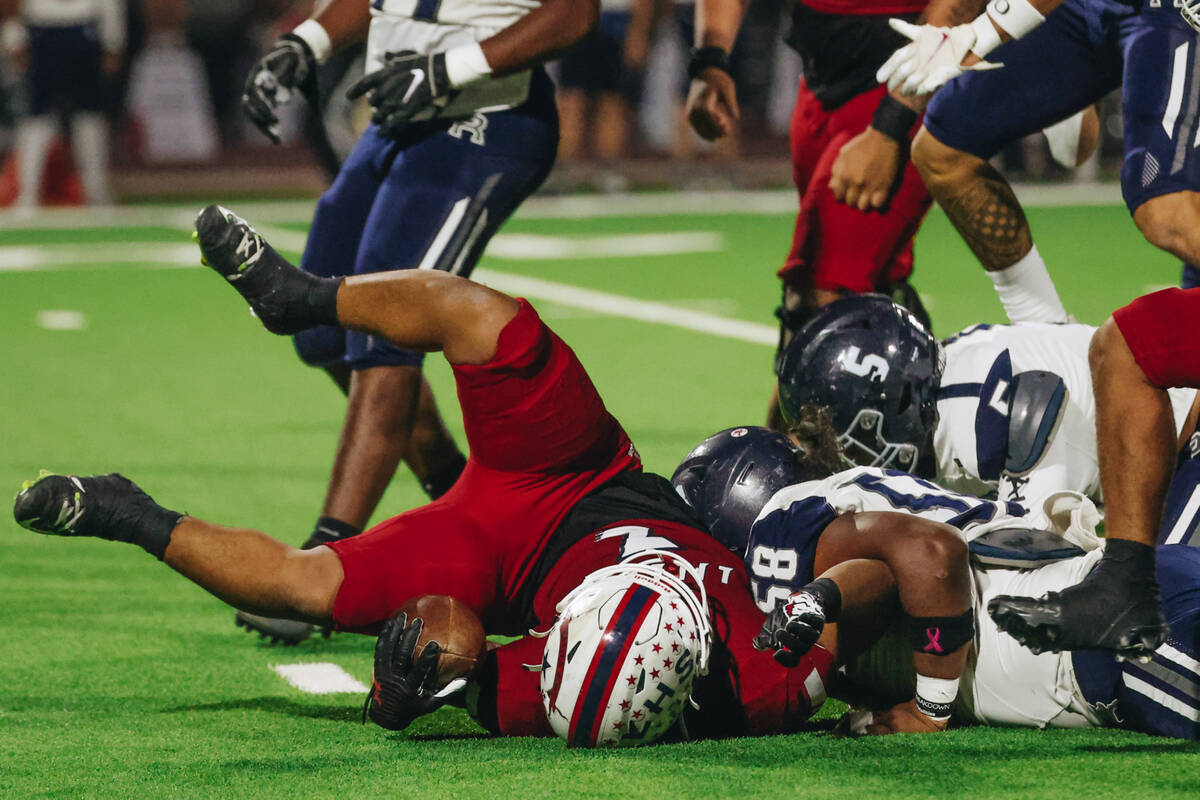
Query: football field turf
pixel 121 679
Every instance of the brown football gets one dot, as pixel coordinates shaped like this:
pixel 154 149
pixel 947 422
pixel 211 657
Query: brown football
pixel 455 628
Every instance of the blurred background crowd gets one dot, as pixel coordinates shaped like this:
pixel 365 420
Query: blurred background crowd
pixel 161 115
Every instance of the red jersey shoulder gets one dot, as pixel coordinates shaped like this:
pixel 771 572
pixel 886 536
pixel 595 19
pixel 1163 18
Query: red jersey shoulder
pixel 866 7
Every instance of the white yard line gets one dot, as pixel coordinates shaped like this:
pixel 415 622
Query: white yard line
pixel 320 678
pixel 641 204
pixel 617 305
pixel 157 256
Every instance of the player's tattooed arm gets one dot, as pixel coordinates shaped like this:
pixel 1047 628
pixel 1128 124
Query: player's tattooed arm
pixel 988 215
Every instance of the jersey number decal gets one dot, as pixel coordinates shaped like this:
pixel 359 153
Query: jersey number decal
pixel 776 567
pixel 870 365
pixel 638 539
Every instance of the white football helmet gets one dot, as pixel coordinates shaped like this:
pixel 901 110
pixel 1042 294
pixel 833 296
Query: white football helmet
pixel 623 653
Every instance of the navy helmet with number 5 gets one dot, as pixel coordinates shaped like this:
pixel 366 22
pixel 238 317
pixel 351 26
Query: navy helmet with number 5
pixel 876 368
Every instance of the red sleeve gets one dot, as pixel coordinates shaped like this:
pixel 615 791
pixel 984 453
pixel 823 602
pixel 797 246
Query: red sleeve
pixel 1163 332
pixel 510 698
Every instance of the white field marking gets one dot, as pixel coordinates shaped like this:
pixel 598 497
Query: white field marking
pixel 1149 288
pixel 61 320
pixel 534 247
pixel 60 256
pixel 320 678
pixel 74 257
pixel 642 204
pixel 631 308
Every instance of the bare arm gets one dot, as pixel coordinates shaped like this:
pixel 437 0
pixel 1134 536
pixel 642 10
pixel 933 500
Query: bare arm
pixel 541 35
pixel 346 21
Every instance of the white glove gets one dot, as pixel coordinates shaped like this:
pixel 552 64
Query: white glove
pixel 933 57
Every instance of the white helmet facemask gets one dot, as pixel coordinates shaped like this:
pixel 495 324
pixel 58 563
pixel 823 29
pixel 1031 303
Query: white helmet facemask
pixel 624 651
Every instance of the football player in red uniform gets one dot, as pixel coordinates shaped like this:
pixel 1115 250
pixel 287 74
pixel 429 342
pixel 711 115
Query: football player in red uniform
pixel 861 202
pixel 552 522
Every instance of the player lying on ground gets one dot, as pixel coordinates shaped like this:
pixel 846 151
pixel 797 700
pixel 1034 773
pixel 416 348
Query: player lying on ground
pixel 740 474
pixel 551 501
pixel 1011 413
pixel 464 129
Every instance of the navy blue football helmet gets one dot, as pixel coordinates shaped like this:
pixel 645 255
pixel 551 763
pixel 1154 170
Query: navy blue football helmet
pixel 876 368
pixel 731 475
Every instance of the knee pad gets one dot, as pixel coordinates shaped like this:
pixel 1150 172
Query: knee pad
pixel 323 346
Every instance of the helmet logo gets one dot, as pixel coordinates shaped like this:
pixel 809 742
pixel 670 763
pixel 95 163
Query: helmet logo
pixel 738 433
pixel 873 367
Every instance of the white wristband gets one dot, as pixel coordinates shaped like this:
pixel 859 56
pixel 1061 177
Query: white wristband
pixel 317 39
pixel 987 38
pixel 1015 17
pixel 466 64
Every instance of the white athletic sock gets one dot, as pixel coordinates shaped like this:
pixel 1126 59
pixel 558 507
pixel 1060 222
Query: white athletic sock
pixel 89 143
pixel 1026 291
pixel 34 135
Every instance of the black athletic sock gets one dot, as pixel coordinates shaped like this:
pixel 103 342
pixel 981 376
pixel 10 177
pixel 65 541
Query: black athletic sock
pixel 439 482
pixel 329 529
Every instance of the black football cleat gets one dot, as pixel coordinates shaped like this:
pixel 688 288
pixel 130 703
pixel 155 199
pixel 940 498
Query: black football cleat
pixel 278 631
pixel 105 506
pixel 284 297
pixel 1117 607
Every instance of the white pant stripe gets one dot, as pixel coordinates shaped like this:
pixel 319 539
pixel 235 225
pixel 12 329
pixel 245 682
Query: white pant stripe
pixel 1179 659
pixel 1162 698
pixel 1184 523
pixel 443 236
pixel 470 243
pixel 1175 99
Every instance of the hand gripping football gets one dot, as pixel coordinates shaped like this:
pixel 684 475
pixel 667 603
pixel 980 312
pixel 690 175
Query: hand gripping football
pixel 455 628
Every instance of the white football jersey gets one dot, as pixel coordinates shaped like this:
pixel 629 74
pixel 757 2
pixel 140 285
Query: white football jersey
pixel 972 436
pixel 107 15
pixel 783 539
pixel 431 26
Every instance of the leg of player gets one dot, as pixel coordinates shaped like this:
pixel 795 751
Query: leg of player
pixel 982 207
pixel 424 310
pixel 243 567
pixel 1172 222
pixel 1117 606
pixel 380 411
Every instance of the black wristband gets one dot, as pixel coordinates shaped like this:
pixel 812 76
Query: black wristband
pixel 829 595
pixel 708 56
pixel 940 636
pixel 894 119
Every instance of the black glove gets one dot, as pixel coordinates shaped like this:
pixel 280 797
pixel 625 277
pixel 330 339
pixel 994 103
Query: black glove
pixel 406 85
pixel 289 66
pixel 792 628
pixel 402 688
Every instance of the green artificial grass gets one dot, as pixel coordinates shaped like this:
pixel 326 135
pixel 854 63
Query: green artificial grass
pixel 121 679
